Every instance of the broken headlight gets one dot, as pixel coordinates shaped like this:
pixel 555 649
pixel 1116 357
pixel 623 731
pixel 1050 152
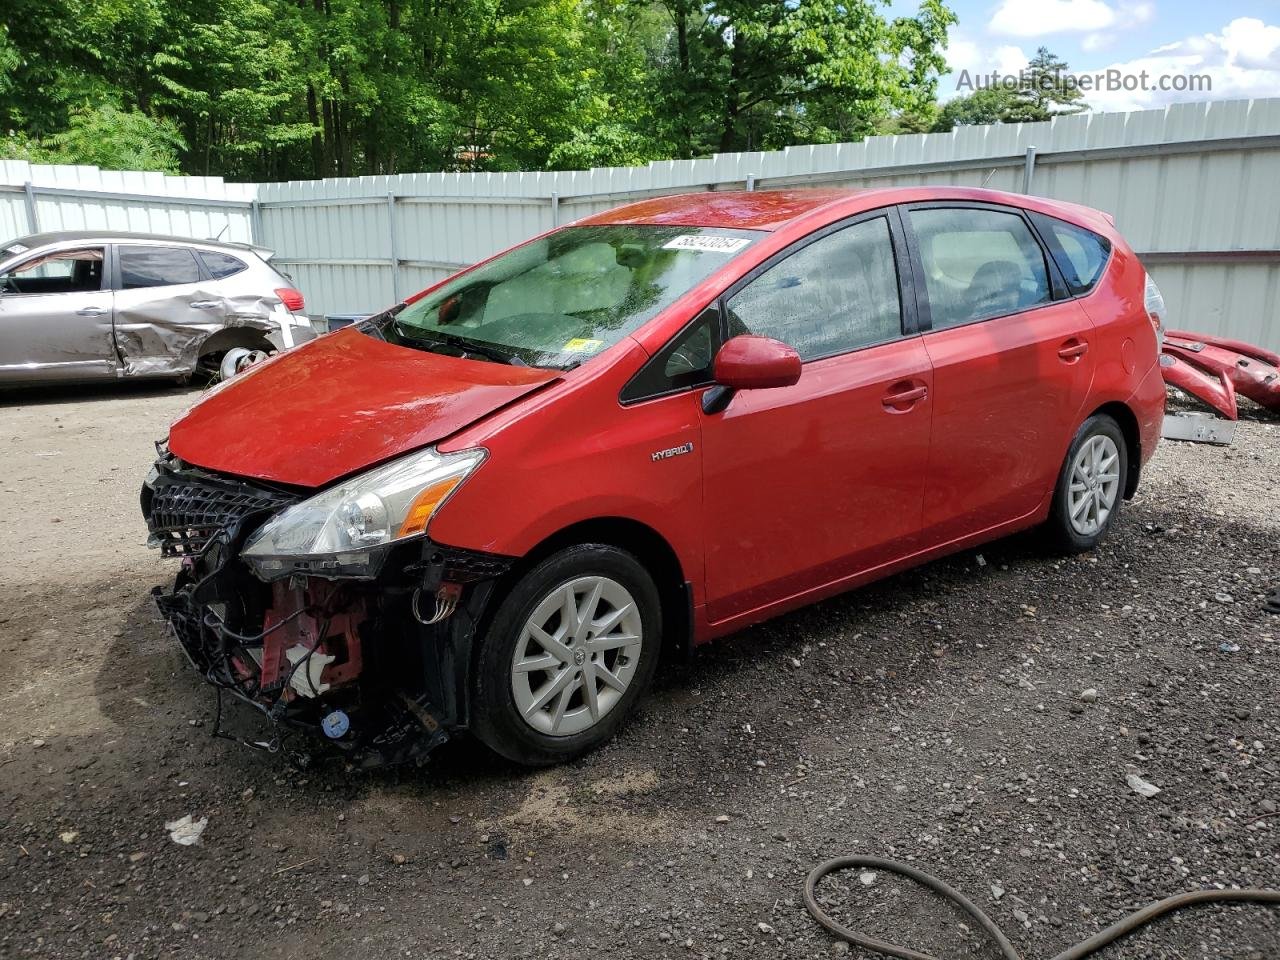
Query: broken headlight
pixel 345 531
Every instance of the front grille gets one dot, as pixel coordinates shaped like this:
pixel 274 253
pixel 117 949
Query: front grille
pixel 185 510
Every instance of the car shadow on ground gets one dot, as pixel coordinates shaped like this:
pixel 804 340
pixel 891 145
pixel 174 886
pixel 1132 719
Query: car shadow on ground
pixel 160 677
pixel 92 392
pixel 899 624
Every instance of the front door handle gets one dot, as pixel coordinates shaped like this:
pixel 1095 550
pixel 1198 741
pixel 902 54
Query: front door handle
pixel 1073 350
pixel 903 397
pixel 204 304
pixel 90 312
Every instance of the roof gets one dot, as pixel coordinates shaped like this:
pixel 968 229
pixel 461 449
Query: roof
pixel 751 210
pixel 58 236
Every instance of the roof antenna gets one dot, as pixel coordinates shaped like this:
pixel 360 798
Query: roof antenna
pixel 987 178
pixel 228 223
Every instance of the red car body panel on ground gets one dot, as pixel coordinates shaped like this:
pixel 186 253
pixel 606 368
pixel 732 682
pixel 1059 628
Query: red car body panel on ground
pixel 874 460
pixel 1216 370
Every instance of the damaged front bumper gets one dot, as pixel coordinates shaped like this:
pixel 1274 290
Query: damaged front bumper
pixel 379 670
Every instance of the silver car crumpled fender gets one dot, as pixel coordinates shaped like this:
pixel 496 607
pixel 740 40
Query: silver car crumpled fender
pixel 168 335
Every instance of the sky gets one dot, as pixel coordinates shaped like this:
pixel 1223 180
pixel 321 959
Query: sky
pixel 1235 43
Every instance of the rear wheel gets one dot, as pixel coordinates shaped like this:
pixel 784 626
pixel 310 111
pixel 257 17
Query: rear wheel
pixel 209 365
pixel 1090 486
pixel 569 652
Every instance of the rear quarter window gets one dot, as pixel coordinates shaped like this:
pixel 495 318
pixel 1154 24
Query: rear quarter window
pixel 221 265
pixel 1080 254
pixel 156 267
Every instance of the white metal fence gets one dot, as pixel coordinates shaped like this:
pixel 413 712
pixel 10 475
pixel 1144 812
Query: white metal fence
pixel 1194 187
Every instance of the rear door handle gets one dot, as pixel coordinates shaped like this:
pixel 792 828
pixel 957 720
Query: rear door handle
pixel 90 312
pixel 204 304
pixel 902 400
pixel 1073 350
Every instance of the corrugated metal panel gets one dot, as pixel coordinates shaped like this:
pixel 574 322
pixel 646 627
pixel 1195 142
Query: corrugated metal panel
pixel 1190 185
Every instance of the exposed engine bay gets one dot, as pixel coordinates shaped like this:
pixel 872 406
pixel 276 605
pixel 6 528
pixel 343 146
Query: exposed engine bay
pixel 376 668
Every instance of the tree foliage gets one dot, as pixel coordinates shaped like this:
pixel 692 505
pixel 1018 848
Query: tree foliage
pixel 1040 93
pixel 279 89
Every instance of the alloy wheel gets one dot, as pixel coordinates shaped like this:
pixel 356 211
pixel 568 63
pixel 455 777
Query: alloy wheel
pixel 576 655
pixel 1094 486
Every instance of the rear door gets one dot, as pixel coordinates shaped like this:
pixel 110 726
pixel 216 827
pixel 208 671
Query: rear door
pixel 1013 362
pixel 810 484
pixel 165 306
pixel 55 317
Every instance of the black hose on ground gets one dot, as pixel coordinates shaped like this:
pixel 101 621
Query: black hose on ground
pixel 1139 918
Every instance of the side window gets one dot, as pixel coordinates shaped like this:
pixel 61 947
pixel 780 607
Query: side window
pixel 978 264
pixel 1080 254
pixel 684 362
pixel 63 271
pixel 156 267
pixel 221 265
pixel 833 295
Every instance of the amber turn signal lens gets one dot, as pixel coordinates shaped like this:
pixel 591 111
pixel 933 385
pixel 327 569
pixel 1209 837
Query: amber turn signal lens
pixel 424 504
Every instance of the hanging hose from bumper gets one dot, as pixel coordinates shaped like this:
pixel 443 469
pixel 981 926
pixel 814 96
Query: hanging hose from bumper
pixel 1129 924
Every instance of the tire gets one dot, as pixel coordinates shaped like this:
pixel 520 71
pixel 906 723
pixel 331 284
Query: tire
pixel 522 658
pixel 1091 483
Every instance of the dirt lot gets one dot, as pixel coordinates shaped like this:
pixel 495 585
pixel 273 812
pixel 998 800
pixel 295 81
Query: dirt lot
pixel 937 717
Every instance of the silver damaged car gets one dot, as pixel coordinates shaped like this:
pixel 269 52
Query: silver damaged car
pixel 95 305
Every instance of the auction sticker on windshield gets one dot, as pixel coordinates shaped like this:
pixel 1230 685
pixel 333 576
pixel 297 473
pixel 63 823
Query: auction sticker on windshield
pixel 707 243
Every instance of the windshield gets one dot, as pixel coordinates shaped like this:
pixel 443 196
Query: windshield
pixel 561 299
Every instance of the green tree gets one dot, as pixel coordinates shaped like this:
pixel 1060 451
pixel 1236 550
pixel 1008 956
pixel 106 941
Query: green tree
pixel 116 139
pixel 740 74
pixel 284 89
pixel 1041 93
pixel 1048 90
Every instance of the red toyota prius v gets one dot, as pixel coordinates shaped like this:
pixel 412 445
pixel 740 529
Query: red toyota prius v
pixel 493 507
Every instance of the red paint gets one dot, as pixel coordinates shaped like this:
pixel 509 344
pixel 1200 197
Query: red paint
pixel 757 210
pixel 812 483
pixel 1239 346
pixel 1215 390
pixel 1008 396
pixel 869 462
pixel 756 363
pixel 1246 369
pixel 340 404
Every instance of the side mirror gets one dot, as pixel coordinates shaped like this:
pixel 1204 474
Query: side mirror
pixel 749 362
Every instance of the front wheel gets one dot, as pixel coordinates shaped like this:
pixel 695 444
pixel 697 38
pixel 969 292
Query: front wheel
pixel 570 650
pixel 1090 486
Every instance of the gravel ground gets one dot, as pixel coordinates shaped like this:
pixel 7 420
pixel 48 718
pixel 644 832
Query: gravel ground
pixel 943 717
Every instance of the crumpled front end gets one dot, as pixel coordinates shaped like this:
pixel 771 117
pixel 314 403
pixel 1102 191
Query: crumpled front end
pixel 377 669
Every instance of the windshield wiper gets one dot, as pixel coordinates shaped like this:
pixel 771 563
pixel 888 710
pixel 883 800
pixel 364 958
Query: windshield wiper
pixel 464 344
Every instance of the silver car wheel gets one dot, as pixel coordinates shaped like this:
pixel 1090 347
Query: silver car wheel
pixel 1094 485
pixel 576 655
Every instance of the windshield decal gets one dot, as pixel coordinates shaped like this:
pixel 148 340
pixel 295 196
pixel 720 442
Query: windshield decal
pixel 583 345
pixel 707 243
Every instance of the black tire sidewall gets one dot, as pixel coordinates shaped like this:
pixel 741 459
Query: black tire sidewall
pixel 494 717
pixel 1063 534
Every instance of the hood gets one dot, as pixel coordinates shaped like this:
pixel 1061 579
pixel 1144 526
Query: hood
pixel 341 403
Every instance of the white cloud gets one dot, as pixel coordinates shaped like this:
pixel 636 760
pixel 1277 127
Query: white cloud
pixel 1034 18
pixel 1241 61
pixel 978 59
pixel 1127 16
pixel 1096 18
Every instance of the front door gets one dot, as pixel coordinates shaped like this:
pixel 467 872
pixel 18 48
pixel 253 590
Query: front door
pixel 807 485
pixel 55 318
pixel 1012 367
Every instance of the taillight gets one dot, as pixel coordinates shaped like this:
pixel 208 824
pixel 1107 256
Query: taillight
pixel 291 298
pixel 1153 302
